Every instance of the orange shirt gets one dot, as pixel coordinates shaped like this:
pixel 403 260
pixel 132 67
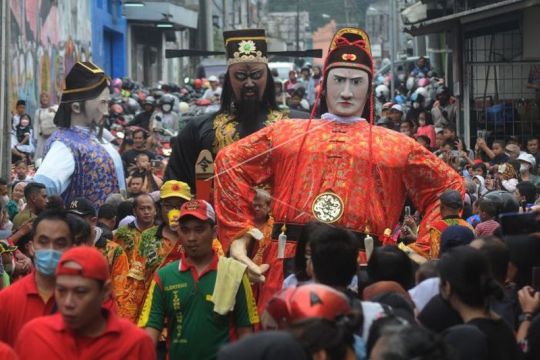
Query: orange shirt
pixel 48 338
pixel 19 304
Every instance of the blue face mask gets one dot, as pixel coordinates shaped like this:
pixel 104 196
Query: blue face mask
pixel 46 261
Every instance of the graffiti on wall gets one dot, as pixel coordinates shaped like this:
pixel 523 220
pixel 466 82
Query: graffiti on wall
pixel 47 37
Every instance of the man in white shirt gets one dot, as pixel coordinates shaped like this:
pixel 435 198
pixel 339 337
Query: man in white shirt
pixel 214 92
pixel 43 123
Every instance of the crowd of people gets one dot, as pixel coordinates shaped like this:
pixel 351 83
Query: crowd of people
pixel 402 254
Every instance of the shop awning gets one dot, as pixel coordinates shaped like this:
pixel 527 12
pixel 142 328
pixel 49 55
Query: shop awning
pixel 447 22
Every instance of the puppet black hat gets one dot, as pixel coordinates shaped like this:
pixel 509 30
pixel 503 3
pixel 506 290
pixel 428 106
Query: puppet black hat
pixel 248 45
pixel 84 81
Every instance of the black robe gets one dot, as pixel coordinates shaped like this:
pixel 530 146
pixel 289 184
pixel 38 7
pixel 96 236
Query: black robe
pixel 199 134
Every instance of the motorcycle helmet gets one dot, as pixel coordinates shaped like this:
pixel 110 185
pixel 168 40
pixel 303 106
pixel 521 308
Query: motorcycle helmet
pixel 382 91
pixel 116 99
pixel 132 106
pixel 149 100
pixel 166 102
pixel 157 94
pixel 423 82
pixel 116 83
pixel 410 83
pixel 184 107
pixel 295 304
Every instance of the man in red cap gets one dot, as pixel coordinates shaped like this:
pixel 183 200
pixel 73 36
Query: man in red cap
pixel 336 169
pixel 184 294
pixel 83 329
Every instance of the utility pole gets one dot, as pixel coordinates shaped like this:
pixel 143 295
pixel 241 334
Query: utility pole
pixel 224 15
pixel 206 28
pixel 297 25
pixel 392 46
pixel 346 6
pixel 248 15
pixel 5 116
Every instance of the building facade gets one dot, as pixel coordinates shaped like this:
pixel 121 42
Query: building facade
pixel 46 38
pixel 494 62
pixel 283 26
pixel 109 33
pixel 155 27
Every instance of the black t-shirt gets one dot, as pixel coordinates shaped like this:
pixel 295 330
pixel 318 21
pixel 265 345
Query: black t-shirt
pixel 142 120
pixel 499 159
pixel 128 158
pixel 500 339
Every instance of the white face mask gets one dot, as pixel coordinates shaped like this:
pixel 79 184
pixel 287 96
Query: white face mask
pixel 524 168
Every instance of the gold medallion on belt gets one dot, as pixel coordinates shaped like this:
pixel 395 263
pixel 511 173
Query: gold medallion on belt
pixel 328 207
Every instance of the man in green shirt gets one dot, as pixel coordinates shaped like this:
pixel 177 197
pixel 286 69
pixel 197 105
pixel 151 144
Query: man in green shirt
pixel 181 294
pixel 36 201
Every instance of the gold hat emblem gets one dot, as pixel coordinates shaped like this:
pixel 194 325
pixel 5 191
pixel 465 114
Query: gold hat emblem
pixel 247 47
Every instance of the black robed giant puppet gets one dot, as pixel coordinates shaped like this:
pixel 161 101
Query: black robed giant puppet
pixel 247 105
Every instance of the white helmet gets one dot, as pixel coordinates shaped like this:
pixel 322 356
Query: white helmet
pixel 382 90
pixel 422 91
pixel 411 81
pixel 184 107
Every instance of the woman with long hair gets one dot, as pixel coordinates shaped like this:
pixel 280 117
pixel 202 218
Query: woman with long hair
pixel 468 286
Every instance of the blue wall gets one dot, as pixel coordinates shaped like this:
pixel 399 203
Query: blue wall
pixel 109 37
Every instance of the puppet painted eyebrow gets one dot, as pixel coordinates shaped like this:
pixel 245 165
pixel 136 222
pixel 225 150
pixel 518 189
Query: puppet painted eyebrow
pixel 339 77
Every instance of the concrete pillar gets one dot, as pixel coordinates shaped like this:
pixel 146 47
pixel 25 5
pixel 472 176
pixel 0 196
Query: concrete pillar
pixel 205 30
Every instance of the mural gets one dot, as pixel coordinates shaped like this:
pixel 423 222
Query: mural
pixel 47 37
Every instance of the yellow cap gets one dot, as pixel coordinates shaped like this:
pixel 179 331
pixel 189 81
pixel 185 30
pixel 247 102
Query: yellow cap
pixel 174 188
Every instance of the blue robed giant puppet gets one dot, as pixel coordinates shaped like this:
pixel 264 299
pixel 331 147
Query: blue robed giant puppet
pixel 78 162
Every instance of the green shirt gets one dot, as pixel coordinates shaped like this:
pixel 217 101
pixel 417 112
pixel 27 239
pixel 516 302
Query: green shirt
pixel 22 217
pixel 195 331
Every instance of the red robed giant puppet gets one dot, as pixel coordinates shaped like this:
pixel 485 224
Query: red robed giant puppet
pixel 338 169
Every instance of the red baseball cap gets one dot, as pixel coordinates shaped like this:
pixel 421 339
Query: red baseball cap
pixel 93 264
pixel 199 209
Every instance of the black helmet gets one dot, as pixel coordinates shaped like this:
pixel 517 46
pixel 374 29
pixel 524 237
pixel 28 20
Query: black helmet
pixel 158 94
pixel 166 99
pixel 132 106
pixel 166 102
pixel 504 201
pixel 116 99
pixel 443 90
pixel 149 100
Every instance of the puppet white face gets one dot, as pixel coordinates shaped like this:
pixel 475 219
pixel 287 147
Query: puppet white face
pixel 95 110
pixel 346 91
